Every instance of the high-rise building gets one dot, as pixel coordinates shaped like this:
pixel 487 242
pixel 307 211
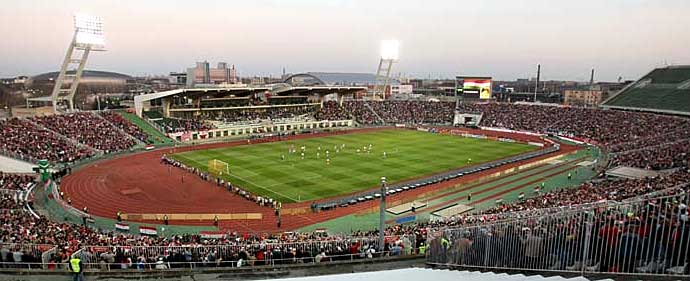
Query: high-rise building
pixel 203 74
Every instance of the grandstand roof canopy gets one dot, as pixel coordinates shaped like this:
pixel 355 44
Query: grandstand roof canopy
pixel 317 90
pixel 276 90
pixel 333 79
pixel 665 90
pixel 215 92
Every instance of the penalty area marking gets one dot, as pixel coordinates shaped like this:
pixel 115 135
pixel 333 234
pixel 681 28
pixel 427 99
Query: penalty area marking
pixel 264 188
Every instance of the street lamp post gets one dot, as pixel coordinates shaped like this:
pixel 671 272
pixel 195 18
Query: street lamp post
pixel 382 215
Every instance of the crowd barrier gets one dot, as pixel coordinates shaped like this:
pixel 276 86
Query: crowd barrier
pixel 185 266
pixel 644 237
pixel 221 255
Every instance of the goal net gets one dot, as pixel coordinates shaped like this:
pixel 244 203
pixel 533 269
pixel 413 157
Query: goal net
pixel 218 168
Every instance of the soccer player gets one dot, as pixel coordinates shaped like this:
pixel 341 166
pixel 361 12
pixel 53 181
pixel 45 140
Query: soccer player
pixel 384 155
pixel 328 161
pixel 302 155
pixel 318 155
pixel 282 157
pixel 469 160
pixel 358 150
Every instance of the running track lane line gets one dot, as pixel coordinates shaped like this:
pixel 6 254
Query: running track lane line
pixel 503 191
pixel 508 182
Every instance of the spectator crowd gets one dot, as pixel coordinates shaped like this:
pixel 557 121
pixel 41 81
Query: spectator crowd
pixel 89 129
pixel 332 111
pixel 175 125
pixel 634 139
pixel 259 115
pixel 124 124
pixel 645 235
pixel 23 139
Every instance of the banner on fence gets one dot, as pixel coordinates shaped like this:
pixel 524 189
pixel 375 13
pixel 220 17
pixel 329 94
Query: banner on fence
pixel 148 230
pixel 211 234
pixel 122 226
pixel 405 219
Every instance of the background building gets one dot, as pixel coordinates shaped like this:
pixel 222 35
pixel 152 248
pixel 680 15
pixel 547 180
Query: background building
pixel 583 97
pixel 91 82
pixel 202 73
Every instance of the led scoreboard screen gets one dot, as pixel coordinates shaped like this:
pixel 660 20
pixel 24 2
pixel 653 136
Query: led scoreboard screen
pixel 473 87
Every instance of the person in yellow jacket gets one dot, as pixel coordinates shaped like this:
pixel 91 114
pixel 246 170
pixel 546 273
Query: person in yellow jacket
pixel 77 269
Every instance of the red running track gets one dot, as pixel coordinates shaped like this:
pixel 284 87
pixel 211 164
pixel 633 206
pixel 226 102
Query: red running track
pixel 100 186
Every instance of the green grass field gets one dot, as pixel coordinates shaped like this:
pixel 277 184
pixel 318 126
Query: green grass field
pixel 260 168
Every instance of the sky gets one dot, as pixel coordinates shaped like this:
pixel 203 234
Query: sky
pixel 505 39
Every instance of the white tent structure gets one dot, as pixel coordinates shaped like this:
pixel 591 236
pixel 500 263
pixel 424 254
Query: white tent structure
pixel 417 274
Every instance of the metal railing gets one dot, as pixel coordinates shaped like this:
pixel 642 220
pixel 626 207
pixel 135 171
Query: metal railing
pixel 226 254
pixel 164 264
pixel 200 254
pixel 18 156
pixel 644 237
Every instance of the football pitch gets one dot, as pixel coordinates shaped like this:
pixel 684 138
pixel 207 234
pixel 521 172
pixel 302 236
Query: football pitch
pixel 342 164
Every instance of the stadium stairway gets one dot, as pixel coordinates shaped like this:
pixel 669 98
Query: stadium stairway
pixel 115 127
pixel 381 121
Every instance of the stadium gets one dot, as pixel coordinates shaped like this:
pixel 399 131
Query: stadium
pixel 323 174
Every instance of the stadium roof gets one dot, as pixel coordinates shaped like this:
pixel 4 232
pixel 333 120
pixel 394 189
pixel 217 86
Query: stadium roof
pixel 278 90
pixel 665 90
pixel 333 79
pixel 85 74
pixel 140 99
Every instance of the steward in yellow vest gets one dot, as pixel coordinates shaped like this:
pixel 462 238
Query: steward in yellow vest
pixel 75 266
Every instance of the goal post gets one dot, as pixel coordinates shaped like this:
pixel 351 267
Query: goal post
pixel 218 168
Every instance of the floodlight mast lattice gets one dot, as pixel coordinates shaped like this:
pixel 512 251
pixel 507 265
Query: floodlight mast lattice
pixel 389 55
pixel 88 36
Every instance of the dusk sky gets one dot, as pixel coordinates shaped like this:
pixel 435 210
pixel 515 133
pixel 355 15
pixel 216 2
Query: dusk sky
pixel 500 38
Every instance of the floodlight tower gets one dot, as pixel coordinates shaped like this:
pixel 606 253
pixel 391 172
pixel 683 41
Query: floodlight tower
pixel 389 55
pixel 88 36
